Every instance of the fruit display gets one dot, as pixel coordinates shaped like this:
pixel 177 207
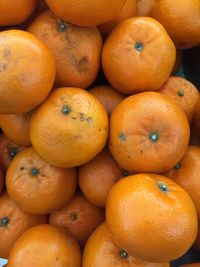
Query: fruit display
pixel 99 133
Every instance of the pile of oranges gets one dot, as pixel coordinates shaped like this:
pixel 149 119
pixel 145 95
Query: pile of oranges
pixel 100 141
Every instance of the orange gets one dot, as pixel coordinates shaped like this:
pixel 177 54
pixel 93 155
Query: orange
pixel 76 49
pixel 108 96
pixel 138 56
pixel 149 132
pixel 79 217
pixel 27 71
pixel 184 93
pixel 15 12
pixel 186 173
pixel 102 251
pixel 70 128
pixel 151 217
pixel 128 11
pixel 13 223
pixel 83 13
pixel 36 186
pixel 145 7
pixel 98 176
pixel 8 150
pixel 45 245
pixel 181 19
pixel 16 127
pixel 1 179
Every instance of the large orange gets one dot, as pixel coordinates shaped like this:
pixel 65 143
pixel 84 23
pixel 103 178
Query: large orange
pixel 16 127
pixel 128 11
pixel 186 173
pixel 27 71
pixel 97 177
pixel 85 12
pixel 15 12
pixel 181 19
pixel 45 245
pixel 1 179
pixel 102 251
pixel 76 49
pixel 151 217
pixel 149 132
pixel 145 7
pixel 184 93
pixel 79 217
pixel 108 96
pixel 70 128
pixel 8 150
pixel 138 55
pixel 13 223
pixel 36 186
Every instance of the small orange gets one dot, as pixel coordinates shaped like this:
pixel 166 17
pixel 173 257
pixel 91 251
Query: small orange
pixel 108 96
pixel 181 19
pixel 184 93
pixel 151 217
pixel 13 223
pixel 98 176
pixel 79 217
pixel 145 7
pixel 1 179
pixel 85 13
pixel 36 186
pixel 149 132
pixel 76 50
pixel 8 150
pixel 27 71
pixel 138 56
pixel 45 245
pixel 16 127
pixel 15 12
pixel 128 11
pixel 70 128
pixel 186 173
pixel 102 251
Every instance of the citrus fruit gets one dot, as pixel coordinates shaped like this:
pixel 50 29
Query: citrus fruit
pixel 36 186
pixel 151 217
pixel 70 128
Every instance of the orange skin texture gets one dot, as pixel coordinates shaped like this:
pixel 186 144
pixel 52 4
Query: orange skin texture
pixel 135 119
pixel 45 245
pixel 188 175
pixel 131 71
pixel 45 192
pixel 16 127
pixel 102 251
pixel 108 96
pixel 8 150
pixel 59 138
pixel 189 98
pixel 145 7
pixel 76 50
pixel 27 71
pixel 79 217
pixel 19 222
pixel 16 12
pixel 1 179
pixel 180 14
pixel 141 217
pixel 128 11
pixel 98 176
pixel 85 12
